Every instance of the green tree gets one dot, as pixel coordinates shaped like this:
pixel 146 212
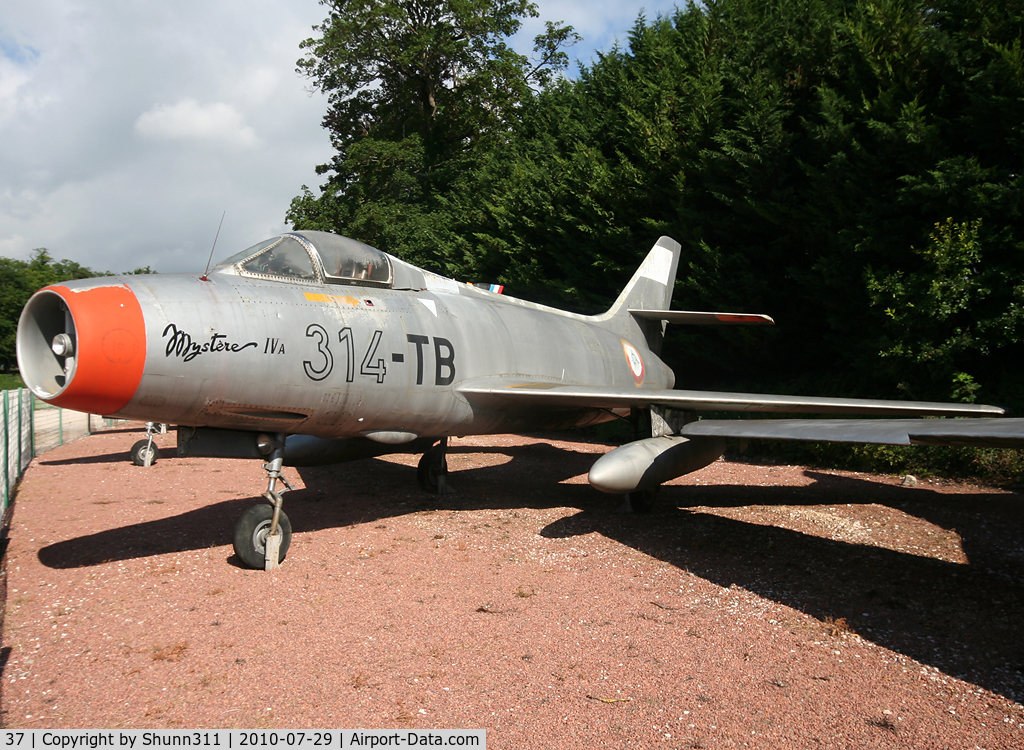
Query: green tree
pixel 801 150
pixel 415 88
pixel 19 280
pixel 933 324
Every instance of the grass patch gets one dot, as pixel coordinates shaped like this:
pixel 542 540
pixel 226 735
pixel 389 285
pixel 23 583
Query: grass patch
pixel 837 627
pixel 10 381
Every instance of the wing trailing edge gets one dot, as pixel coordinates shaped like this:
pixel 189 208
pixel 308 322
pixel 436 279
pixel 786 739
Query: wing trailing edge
pixel 691 318
pixel 990 433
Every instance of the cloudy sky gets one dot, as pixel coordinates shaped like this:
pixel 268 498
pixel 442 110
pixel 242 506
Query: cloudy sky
pixel 127 127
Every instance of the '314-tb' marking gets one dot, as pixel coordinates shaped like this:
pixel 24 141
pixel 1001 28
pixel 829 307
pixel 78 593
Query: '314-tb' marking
pixel 372 365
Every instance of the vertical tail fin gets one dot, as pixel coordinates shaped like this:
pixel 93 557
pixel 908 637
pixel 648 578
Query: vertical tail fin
pixel 653 283
pixel 650 289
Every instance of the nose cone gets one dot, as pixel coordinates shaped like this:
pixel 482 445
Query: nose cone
pixel 83 347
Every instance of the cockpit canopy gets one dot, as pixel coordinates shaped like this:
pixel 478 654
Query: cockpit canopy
pixel 314 257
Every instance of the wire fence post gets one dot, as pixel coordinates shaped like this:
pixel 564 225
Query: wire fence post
pixel 20 430
pixel 7 457
pixel 19 451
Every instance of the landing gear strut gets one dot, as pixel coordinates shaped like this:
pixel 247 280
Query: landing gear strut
pixel 432 471
pixel 144 453
pixel 647 423
pixel 640 501
pixel 264 533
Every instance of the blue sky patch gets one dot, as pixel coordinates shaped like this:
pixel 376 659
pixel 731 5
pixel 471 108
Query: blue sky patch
pixel 17 53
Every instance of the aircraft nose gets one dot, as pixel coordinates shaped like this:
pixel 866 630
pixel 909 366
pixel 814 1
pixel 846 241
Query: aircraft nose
pixel 83 347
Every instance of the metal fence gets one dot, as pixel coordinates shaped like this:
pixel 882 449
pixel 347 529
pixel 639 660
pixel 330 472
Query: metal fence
pixel 32 427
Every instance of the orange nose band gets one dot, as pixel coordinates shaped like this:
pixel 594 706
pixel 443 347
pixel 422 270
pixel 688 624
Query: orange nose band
pixel 111 350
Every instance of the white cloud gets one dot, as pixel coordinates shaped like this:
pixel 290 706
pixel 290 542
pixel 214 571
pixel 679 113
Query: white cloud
pixel 600 26
pixel 190 120
pixel 12 80
pixel 126 128
pixel 16 94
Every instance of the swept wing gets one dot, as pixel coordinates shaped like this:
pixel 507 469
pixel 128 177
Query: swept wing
pixel 523 394
pixel 992 433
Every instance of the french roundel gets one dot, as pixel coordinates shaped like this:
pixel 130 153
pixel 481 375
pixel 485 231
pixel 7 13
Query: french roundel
pixel 634 360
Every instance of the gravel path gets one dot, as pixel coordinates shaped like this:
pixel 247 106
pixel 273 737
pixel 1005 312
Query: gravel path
pixel 759 606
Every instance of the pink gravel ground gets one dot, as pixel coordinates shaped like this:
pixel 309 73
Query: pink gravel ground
pixel 759 606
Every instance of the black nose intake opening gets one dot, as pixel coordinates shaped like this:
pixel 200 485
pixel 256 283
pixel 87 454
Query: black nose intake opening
pixel 46 344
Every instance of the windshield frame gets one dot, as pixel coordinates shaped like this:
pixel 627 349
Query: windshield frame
pixel 238 261
pixel 368 266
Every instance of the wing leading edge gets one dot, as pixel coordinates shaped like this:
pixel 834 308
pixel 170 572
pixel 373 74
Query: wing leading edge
pixel 506 393
pixel 986 429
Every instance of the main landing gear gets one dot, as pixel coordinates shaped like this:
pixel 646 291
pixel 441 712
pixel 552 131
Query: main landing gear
pixel 640 501
pixel 432 470
pixel 264 533
pixel 646 423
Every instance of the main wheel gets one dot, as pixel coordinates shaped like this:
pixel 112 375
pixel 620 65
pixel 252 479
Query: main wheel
pixel 251 534
pixel 432 466
pixel 143 449
pixel 642 501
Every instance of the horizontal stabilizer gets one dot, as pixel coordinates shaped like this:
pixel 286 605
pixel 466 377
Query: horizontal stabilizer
pixel 686 317
pixel 520 394
pixel 992 433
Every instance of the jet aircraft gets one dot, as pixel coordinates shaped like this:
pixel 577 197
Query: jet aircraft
pixel 314 348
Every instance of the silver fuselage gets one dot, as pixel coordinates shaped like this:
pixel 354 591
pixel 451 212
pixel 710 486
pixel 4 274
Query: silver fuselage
pixel 335 360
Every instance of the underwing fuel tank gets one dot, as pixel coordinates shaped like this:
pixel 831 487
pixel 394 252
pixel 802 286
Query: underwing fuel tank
pixel 84 348
pixel 644 464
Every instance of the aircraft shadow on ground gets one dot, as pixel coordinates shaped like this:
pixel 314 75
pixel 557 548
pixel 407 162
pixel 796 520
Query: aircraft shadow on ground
pixel 106 458
pixel 962 619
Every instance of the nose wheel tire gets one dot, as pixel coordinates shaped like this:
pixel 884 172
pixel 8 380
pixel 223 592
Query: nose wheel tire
pixel 141 450
pixel 251 535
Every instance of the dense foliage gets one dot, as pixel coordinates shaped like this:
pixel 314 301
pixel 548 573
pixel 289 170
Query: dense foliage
pixel 851 167
pixel 19 279
pixel 418 92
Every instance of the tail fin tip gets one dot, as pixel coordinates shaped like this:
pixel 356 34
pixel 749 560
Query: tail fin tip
pixel 654 281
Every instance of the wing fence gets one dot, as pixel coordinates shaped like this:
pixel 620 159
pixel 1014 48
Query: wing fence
pixel 32 427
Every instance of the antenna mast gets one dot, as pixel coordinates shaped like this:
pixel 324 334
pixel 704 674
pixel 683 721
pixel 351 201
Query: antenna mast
pixel 215 237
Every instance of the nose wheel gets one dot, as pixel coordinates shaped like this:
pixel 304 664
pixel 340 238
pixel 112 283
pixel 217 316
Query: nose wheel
pixel 264 533
pixel 144 452
pixel 251 534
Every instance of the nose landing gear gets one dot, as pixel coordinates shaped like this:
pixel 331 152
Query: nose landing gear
pixel 144 452
pixel 264 533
